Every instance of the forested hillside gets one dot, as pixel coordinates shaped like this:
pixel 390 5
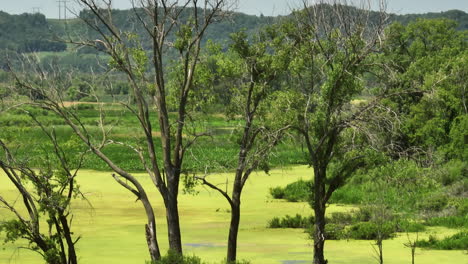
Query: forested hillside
pixel 27 33
pixel 33 32
pixel 458 16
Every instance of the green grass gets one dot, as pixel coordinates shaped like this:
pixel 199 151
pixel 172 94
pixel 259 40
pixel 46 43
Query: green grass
pixel 112 229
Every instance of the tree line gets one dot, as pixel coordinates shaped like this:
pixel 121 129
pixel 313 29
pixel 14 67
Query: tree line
pixel 34 32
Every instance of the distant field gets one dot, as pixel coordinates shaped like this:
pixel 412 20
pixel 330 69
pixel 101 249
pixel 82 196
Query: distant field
pixel 112 229
pixel 219 150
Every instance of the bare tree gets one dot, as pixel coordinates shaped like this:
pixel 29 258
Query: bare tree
pixel 46 193
pixel 173 27
pixel 412 243
pixel 45 88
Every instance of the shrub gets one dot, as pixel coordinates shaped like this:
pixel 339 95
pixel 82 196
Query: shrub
pixel 434 203
pixel 334 231
pixel 449 221
pixel 458 241
pixel 364 214
pixel 298 191
pixel 287 221
pixel 173 257
pixel 409 226
pixel 85 107
pixel 236 262
pixel 371 231
pixel 277 192
pixel 275 222
pixel 341 218
pixel 453 171
pixel 349 194
pixel 462 207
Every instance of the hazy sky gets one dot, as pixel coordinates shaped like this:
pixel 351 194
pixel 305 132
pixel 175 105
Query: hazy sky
pixel 255 7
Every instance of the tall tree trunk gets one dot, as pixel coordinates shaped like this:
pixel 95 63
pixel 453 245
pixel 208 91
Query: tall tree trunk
pixel 173 225
pixel 319 236
pixel 319 209
pixel 233 230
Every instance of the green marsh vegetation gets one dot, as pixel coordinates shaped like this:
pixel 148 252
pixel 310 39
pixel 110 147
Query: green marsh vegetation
pixel 377 112
pixel 18 127
pixel 114 222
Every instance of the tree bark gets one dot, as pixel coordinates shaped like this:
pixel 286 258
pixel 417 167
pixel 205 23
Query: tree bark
pixel 381 252
pixel 233 231
pixel 151 241
pixel 150 230
pixel 319 236
pixel 72 259
pixel 319 209
pixel 173 225
pixel 150 227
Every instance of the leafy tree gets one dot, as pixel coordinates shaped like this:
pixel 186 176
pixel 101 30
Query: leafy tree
pixel 78 90
pixel 254 67
pixel 333 46
pixel 456 15
pixel 430 56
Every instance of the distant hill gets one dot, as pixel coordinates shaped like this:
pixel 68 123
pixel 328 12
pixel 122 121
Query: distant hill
pixel 33 32
pixel 219 32
pixel 27 33
pixel 459 16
